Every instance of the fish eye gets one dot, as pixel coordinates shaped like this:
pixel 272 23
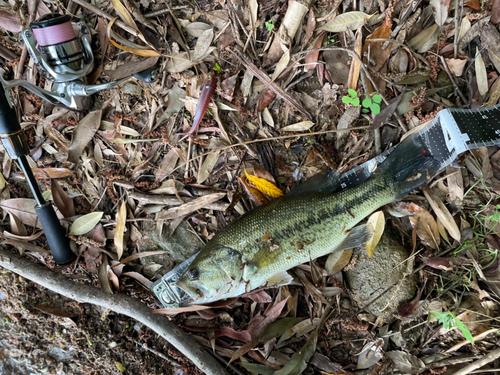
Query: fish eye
pixel 194 274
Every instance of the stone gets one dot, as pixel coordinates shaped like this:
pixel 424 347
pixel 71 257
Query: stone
pixel 370 277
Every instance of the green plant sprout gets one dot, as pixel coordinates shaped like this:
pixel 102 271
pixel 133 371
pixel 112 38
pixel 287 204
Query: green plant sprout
pixel 373 104
pixel 352 98
pixel 217 67
pixel 329 40
pixel 270 25
pixel 450 321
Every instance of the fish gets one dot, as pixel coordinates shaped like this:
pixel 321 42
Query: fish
pixel 312 220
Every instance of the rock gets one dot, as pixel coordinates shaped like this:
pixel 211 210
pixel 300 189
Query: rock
pixel 386 269
pixel 178 247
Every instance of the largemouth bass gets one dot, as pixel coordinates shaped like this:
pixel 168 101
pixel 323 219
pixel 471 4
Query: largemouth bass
pixel 309 222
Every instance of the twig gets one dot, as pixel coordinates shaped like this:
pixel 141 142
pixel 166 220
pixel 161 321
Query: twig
pixel 24 53
pixel 491 356
pixel 264 78
pixel 457 89
pixel 7 54
pixel 161 355
pixel 101 13
pixel 119 303
pixel 275 138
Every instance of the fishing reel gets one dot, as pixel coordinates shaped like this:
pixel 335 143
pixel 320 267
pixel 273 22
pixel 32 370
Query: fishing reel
pixel 62 50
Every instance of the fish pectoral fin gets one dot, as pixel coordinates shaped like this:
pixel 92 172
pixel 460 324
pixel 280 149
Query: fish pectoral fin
pixel 324 182
pixel 280 279
pixel 356 237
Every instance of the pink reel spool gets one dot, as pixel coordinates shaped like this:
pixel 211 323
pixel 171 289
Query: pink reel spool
pixel 53 29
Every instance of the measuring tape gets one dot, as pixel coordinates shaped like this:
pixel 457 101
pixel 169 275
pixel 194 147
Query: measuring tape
pixel 452 132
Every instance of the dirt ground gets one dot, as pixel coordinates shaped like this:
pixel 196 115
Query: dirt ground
pixel 44 333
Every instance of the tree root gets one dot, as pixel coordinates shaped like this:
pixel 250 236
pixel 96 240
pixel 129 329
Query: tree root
pixel 119 303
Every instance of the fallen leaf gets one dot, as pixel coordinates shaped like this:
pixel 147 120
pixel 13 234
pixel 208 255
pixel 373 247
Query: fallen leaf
pixel 282 63
pixel 43 174
pixel 202 44
pixel 370 354
pixel 9 22
pixel 120 229
pixel 140 278
pixel 440 10
pixel 24 209
pixel 352 81
pixel 426 228
pixel 273 330
pixel 190 207
pixel 265 186
pixel 62 200
pixel 167 165
pixel 426 39
pixel 312 57
pixel 481 75
pixel 207 166
pixel 456 65
pixel 85 223
pixel 195 29
pixel 442 213
pixel 386 113
pixel 494 94
pixel 131 68
pixel 298 127
pixel 169 187
pixel 254 194
pixel 337 260
pixel 83 134
pixel 405 362
pixel 25 245
pixel 377 224
pixel 352 20
pixel 377 53
pixel 178 310
pixel 16 226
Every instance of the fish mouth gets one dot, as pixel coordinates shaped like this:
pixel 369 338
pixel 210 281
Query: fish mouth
pixel 188 289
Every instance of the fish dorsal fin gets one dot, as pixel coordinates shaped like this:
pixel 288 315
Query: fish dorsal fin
pixel 324 182
pixel 280 279
pixel 356 237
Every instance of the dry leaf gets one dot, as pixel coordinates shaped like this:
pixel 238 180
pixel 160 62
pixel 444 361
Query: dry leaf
pixel 83 134
pixel 195 29
pixel 299 126
pixel 282 63
pixel 202 44
pixel 312 57
pixel 456 65
pixel 9 22
pixel 190 207
pixel 481 74
pixel 440 10
pixel 376 223
pixel 265 186
pixel 352 20
pixel 426 228
pixel 352 81
pixel 255 195
pixel 16 226
pixel 207 166
pixel 442 213
pixel 43 174
pixel 24 209
pixel 120 229
pixel 61 199
pixel 426 39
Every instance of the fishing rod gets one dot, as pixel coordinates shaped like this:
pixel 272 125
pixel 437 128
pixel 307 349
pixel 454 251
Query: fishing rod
pixel 61 49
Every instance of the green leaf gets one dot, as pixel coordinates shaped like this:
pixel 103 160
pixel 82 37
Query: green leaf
pixel 465 331
pixel 346 99
pixel 258 369
pixel 377 98
pixel 85 224
pixel 352 93
pixel 375 108
pixel 364 110
pixel 367 103
pixel 120 367
pixel 355 102
pixel 217 67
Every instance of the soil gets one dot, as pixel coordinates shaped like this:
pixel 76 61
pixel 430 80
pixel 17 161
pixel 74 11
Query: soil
pixel 44 333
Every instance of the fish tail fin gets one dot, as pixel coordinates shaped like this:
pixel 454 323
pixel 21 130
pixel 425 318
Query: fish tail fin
pixel 409 166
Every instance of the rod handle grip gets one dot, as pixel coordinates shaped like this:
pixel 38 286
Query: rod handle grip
pixel 55 234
